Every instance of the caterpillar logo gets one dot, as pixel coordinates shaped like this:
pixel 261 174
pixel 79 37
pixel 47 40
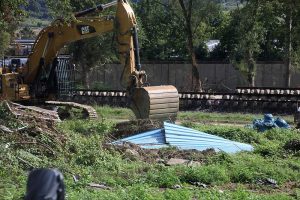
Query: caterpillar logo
pixel 85 29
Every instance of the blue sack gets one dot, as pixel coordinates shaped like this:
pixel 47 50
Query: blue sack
pixel 268 123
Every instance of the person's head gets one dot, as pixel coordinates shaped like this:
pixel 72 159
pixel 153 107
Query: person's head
pixel 45 184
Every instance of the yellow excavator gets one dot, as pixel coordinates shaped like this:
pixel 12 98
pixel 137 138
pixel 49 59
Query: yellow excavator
pixel 36 79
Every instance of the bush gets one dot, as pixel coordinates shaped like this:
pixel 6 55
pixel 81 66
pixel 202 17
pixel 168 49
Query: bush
pixel 165 177
pixel 210 174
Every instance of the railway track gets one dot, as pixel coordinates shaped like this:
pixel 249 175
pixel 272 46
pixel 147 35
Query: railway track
pixel 243 99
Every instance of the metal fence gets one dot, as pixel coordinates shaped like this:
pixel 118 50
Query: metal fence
pixel 65 73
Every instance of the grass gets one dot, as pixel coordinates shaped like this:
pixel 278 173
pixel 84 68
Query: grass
pixel 233 118
pixel 195 117
pixel 228 176
pixel 115 114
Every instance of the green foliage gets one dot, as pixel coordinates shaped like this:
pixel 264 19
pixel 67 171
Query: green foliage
pixel 210 174
pixel 182 194
pixel 244 36
pixel 232 118
pixel 92 53
pixel 84 154
pixel 27 33
pixel 11 14
pixel 114 113
pixel 87 127
pixel 162 31
pixel 100 86
pixel 163 177
pixel 4 42
pixel 38 9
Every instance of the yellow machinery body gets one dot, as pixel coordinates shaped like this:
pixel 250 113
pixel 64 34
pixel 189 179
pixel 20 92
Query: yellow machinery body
pixel 155 102
pixel 12 89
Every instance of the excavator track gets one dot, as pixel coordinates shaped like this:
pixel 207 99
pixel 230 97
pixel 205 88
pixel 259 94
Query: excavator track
pixel 22 111
pixel 89 110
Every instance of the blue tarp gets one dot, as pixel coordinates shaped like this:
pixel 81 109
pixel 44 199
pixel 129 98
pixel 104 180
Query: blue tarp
pixel 184 138
pixel 269 122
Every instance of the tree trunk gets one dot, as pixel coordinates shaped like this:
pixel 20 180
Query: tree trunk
pixel 289 48
pixel 251 69
pixel 196 83
pixel 187 12
pixel 87 79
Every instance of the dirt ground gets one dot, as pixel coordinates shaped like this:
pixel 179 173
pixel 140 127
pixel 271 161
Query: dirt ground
pixel 134 152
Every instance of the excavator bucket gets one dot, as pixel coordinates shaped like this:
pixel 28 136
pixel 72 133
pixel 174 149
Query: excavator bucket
pixel 155 102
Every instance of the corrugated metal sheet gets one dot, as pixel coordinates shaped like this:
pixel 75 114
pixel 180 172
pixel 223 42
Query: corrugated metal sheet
pixel 150 139
pixel 184 138
pixel 187 138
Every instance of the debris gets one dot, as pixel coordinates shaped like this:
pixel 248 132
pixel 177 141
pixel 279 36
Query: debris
pixel 5 129
pixel 183 138
pixel 132 153
pixel 35 132
pixel 176 161
pixel 159 160
pixel 192 163
pixel 292 145
pixel 199 184
pixel 268 122
pixel 125 129
pixel 99 186
pixel 176 187
pixel 161 155
pixel 271 181
pixel 268 181
pixel 75 178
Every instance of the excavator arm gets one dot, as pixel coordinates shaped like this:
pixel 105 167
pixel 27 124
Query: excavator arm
pixel 155 102
pixel 51 39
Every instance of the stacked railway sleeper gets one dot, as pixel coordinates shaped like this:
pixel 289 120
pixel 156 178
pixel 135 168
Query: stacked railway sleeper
pixel 243 99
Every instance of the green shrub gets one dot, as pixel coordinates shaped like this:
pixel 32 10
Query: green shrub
pixel 180 194
pixel 210 174
pixel 165 177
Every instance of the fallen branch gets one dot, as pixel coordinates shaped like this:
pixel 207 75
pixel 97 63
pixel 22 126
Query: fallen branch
pixel 36 143
pixel 5 129
pixel 25 162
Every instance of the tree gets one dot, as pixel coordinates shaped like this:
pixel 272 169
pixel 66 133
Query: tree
pixel 197 16
pixel 290 14
pixel 89 53
pixel 244 36
pixel 27 33
pixel 10 16
pixel 160 31
pixel 187 10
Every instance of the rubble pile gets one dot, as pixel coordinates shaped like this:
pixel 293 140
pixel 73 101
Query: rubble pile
pixel 134 152
pixel 35 135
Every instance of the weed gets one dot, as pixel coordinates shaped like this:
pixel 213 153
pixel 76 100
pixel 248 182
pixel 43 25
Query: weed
pixel 83 155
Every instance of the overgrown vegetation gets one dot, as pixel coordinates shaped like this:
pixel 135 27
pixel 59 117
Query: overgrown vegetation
pixel 84 155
